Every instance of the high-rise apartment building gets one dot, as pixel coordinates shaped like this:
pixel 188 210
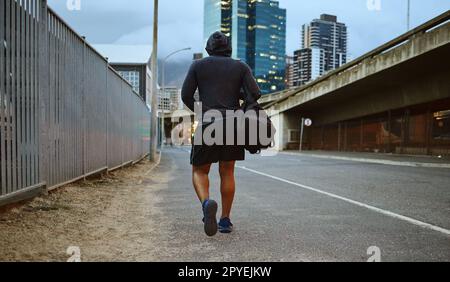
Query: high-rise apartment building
pixel 324 48
pixel 258 34
pixel 309 64
pixel 289 73
pixel 169 99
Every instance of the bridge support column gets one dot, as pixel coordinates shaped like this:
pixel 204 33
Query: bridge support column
pixel 285 123
pixel 277 121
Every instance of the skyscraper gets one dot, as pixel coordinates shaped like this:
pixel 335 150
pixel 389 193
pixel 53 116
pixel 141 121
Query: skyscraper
pixel 289 73
pixel 309 64
pixel 217 17
pixel 258 34
pixel 324 48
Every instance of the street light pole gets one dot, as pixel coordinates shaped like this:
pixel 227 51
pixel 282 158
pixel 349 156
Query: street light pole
pixel 302 128
pixel 163 89
pixel 154 69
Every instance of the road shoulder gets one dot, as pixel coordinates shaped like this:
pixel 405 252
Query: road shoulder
pixel 384 159
pixel 113 218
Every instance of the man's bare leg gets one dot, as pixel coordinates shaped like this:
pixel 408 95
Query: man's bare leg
pixel 201 184
pixel 227 186
pixel 201 181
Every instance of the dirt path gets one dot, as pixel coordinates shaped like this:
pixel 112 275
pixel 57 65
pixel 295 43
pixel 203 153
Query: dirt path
pixel 115 218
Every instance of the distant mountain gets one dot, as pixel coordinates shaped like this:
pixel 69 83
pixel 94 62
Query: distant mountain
pixel 176 71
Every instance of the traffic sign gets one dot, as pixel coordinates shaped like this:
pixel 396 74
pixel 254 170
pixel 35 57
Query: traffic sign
pixel 308 122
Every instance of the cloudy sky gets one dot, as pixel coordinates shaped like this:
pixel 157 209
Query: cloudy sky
pixel 129 22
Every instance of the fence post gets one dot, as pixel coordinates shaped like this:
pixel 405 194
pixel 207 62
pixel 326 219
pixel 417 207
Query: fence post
pixel 43 82
pixel 106 112
pixel 3 78
pixel 122 134
pixel 83 105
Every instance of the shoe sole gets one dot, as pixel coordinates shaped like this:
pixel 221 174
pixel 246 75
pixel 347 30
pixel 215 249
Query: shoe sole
pixel 225 231
pixel 210 218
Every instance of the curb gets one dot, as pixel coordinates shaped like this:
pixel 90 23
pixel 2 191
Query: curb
pixel 155 165
pixel 374 161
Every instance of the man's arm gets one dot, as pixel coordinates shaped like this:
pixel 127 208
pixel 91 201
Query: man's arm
pixel 189 87
pixel 250 86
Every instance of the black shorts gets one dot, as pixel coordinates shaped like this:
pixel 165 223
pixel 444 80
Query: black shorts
pixel 203 154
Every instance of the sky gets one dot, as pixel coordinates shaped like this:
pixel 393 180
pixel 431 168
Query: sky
pixel 129 22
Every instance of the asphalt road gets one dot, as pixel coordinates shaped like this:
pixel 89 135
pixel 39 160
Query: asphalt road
pixel 299 208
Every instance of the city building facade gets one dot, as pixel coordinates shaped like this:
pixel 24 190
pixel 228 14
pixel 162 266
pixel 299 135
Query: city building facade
pixel 309 64
pixel 132 62
pixel 258 34
pixel 289 73
pixel 138 75
pixel 197 56
pixel 169 99
pixel 324 48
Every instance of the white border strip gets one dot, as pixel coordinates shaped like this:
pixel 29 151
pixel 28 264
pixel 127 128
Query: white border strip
pixel 372 208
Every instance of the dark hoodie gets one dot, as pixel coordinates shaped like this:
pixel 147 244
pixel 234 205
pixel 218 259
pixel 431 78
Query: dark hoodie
pixel 220 79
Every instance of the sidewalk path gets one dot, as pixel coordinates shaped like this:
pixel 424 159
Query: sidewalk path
pixel 115 218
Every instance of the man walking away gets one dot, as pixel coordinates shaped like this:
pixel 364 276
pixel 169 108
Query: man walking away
pixel 220 81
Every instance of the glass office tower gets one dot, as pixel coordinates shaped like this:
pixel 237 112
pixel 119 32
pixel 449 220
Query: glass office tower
pixel 258 34
pixel 267 44
pixel 217 17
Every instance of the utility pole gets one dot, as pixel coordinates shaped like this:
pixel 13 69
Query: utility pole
pixel 302 128
pixel 154 69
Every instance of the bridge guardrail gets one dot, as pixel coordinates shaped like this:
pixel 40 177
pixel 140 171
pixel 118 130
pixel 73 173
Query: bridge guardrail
pixel 433 23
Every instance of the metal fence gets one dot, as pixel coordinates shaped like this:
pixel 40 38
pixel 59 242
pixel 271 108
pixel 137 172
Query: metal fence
pixel 64 112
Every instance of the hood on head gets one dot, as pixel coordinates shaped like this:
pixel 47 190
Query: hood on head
pixel 219 44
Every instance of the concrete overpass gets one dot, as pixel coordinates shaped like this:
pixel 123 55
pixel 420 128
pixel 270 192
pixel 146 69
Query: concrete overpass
pixel 270 98
pixel 405 77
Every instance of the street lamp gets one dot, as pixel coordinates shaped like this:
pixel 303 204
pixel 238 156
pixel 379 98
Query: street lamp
pixel 163 88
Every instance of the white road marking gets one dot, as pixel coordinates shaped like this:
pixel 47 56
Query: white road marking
pixel 372 208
